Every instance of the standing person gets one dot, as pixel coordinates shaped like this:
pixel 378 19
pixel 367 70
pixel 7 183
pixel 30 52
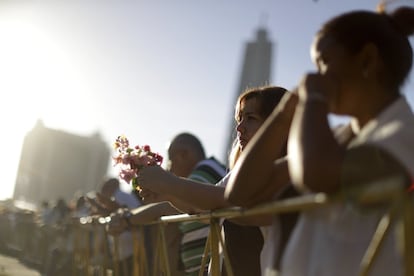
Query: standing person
pixel 252 109
pixel 187 158
pixel 363 59
pixel 111 189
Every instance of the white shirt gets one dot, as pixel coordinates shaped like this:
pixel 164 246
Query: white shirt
pixel 332 240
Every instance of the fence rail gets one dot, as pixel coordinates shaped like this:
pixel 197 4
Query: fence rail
pixel 391 190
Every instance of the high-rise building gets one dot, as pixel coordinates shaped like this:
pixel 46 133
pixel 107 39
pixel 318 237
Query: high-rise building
pixel 55 164
pixel 256 71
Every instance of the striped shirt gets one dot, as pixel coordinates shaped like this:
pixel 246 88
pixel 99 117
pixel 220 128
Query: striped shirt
pixel 195 233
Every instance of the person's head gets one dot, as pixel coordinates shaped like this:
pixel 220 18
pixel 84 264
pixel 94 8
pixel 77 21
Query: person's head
pixel 109 187
pixel 80 202
pixel 184 152
pixel 365 52
pixel 252 108
pixel 45 204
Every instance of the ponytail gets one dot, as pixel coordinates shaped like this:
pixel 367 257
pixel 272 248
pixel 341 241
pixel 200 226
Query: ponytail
pixel 404 19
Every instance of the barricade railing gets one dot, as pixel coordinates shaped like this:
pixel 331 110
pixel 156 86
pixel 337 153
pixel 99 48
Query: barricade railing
pixel 390 190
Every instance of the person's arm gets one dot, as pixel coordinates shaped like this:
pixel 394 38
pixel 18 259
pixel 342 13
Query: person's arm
pixel 103 205
pixel 261 170
pixel 199 195
pixel 315 157
pixel 184 206
pixel 144 214
pixel 151 212
pixel 267 219
pixel 149 197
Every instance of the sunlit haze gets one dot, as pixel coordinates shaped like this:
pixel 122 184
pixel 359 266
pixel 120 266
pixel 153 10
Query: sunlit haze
pixel 146 69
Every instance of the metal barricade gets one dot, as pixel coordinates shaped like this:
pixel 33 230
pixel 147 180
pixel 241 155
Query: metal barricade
pixel 401 213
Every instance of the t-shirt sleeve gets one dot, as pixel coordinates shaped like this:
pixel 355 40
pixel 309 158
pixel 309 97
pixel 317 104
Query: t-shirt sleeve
pixel 367 164
pixel 223 182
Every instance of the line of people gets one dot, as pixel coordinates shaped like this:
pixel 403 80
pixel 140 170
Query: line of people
pixel 286 146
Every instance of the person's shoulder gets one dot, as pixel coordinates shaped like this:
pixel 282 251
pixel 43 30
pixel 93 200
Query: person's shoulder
pixel 127 198
pixel 209 170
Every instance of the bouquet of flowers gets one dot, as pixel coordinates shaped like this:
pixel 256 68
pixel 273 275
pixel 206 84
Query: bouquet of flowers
pixel 132 159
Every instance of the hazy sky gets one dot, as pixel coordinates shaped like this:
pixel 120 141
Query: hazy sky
pixel 147 69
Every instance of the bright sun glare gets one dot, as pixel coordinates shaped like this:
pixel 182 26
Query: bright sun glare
pixel 32 69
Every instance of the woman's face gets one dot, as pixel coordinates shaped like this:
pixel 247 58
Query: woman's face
pixel 341 73
pixel 249 121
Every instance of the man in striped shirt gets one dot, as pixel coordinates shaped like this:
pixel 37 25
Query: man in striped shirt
pixel 187 158
pixel 195 233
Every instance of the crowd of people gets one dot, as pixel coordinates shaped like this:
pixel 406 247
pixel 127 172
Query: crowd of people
pixel 285 148
pixel 68 237
pixel 43 238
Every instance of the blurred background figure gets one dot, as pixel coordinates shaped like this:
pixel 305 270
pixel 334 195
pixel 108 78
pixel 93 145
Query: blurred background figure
pixel 112 197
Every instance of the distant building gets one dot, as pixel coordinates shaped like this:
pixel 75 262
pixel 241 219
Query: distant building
pixel 55 164
pixel 256 71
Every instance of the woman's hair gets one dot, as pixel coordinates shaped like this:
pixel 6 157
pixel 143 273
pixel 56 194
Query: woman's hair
pixel 267 97
pixel 388 32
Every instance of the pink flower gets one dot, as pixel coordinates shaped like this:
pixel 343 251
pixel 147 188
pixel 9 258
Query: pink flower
pixel 127 175
pixel 131 160
pixel 143 161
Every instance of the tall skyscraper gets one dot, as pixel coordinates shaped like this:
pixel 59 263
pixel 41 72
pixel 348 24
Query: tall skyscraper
pixel 256 71
pixel 55 164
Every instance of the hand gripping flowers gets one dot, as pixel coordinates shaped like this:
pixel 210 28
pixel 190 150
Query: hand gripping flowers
pixel 131 160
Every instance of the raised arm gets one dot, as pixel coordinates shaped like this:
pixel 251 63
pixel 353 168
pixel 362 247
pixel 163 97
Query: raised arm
pixel 315 157
pixel 261 170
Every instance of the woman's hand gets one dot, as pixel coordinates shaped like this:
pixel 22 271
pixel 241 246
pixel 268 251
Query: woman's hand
pixel 149 196
pixel 318 87
pixel 154 178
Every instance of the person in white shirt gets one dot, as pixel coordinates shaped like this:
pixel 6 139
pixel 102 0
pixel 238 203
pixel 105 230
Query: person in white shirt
pixel 362 58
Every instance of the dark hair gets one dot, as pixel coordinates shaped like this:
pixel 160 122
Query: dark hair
pixel 110 185
pixel 189 140
pixel 267 96
pixel 388 32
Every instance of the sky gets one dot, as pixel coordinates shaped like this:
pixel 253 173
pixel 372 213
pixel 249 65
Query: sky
pixel 147 69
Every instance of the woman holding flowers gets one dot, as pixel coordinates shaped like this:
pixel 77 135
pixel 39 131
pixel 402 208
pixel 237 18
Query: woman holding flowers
pixel 253 107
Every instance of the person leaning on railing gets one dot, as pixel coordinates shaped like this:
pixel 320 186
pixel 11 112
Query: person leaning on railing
pixel 362 58
pixel 256 178
pixel 252 109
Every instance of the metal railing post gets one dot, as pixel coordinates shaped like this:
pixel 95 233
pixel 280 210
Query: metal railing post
pixel 408 235
pixel 116 256
pixel 215 265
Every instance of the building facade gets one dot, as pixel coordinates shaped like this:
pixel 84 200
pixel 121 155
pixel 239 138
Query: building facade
pixel 255 71
pixel 56 164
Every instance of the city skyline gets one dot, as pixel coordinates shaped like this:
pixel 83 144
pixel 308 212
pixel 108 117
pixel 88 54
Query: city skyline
pixel 145 69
